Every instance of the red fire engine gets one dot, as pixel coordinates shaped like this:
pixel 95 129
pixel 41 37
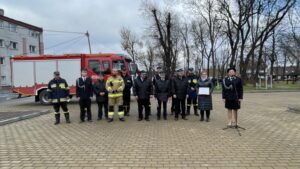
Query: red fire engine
pixel 30 75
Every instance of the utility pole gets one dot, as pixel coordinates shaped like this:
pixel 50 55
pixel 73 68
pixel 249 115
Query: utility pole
pixel 88 37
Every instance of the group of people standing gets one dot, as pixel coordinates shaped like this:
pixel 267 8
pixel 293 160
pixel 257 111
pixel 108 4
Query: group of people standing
pixel 116 92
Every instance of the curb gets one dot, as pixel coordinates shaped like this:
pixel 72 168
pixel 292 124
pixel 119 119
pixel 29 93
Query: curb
pixel 28 116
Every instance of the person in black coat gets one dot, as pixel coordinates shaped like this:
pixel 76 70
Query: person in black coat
pixel 142 90
pixel 179 91
pixel 205 99
pixel 126 92
pixel 84 91
pixel 162 94
pixel 101 97
pixel 232 93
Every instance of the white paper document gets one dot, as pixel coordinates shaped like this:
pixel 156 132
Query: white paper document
pixel 203 91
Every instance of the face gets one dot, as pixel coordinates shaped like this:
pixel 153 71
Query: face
pixel 180 74
pixel 143 75
pixel 162 76
pixel 204 75
pixel 124 73
pixel 84 73
pixel 231 73
pixel 114 72
pixel 56 76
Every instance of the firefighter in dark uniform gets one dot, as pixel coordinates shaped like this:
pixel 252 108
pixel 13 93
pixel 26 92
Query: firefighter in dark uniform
pixel 84 91
pixel 162 94
pixel 142 90
pixel 58 95
pixel 179 91
pixel 156 77
pixel 173 100
pixel 192 92
pixel 232 93
pixel 126 92
pixel 101 97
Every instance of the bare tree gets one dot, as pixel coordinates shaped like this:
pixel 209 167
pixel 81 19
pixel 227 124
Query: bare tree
pixel 257 16
pixel 130 42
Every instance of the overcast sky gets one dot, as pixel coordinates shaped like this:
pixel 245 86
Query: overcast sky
pixel 102 18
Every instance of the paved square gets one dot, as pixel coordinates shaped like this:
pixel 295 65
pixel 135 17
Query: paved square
pixel 271 141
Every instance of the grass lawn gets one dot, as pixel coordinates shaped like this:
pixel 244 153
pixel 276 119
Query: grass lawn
pixel 277 86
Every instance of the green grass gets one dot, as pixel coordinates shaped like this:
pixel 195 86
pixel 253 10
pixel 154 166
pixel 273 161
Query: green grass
pixel 277 86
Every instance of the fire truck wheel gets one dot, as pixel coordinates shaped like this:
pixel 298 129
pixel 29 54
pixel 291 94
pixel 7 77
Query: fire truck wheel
pixel 43 97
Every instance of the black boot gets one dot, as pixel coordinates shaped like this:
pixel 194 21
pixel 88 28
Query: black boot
pixel 196 111
pixel 67 116
pixel 207 116
pixel 202 115
pixel 57 118
pixel 188 109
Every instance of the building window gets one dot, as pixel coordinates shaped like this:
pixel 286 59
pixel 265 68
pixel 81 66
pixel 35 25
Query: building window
pixel 1 24
pixel 14 45
pixel 2 59
pixel 32 49
pixel 1 43
pixel 33 34
pixel 3 78
pixel 12 27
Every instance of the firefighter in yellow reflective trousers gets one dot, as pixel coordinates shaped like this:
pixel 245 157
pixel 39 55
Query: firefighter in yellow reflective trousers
pixel 115 86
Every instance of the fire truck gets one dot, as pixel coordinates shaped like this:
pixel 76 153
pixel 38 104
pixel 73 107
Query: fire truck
pixel 30 75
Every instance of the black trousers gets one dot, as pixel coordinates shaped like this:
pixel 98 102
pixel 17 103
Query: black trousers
pixel 144 103
pixel 180 107
pixel 159 108
pixel 101 106
pixel 85 106
pixel 189 104
pixel 126 105
pixel 62 105
pixel 173 106
pixel 207 114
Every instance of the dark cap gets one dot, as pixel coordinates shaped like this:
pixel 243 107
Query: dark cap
pixel 56 73
pixel 84 70
pixel 231 68
pixel 179 70
pixel 142 71
pixel 191 69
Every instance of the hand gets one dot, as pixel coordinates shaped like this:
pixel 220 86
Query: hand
pixel 187 96
pixel 192 88
pixel 102 93
pixel 174 96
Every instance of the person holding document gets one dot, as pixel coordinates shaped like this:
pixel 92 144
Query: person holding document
pixel 205 88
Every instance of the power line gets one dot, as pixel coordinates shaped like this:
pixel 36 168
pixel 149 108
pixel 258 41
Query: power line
pixel 64 42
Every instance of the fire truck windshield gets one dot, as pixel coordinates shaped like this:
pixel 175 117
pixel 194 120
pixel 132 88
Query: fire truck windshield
pixel 119 64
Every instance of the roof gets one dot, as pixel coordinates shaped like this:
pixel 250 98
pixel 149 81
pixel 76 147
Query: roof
pixel 19 23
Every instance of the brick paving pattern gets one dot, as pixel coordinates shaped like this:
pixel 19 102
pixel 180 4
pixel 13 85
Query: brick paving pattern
pixel 271 141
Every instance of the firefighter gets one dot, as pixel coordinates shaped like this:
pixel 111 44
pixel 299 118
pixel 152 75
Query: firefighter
pixel 126 92
pixel 84 91
pixel 179 91
pixel 101 97
pixel 192 92
pixel 142 90
pixel 162 94
pixel 115 86
pixel 58 93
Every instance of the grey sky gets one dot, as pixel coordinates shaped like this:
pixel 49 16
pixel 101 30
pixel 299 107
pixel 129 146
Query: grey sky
pixel 102 18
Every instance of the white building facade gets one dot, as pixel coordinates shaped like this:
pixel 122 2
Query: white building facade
pixel 17 38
